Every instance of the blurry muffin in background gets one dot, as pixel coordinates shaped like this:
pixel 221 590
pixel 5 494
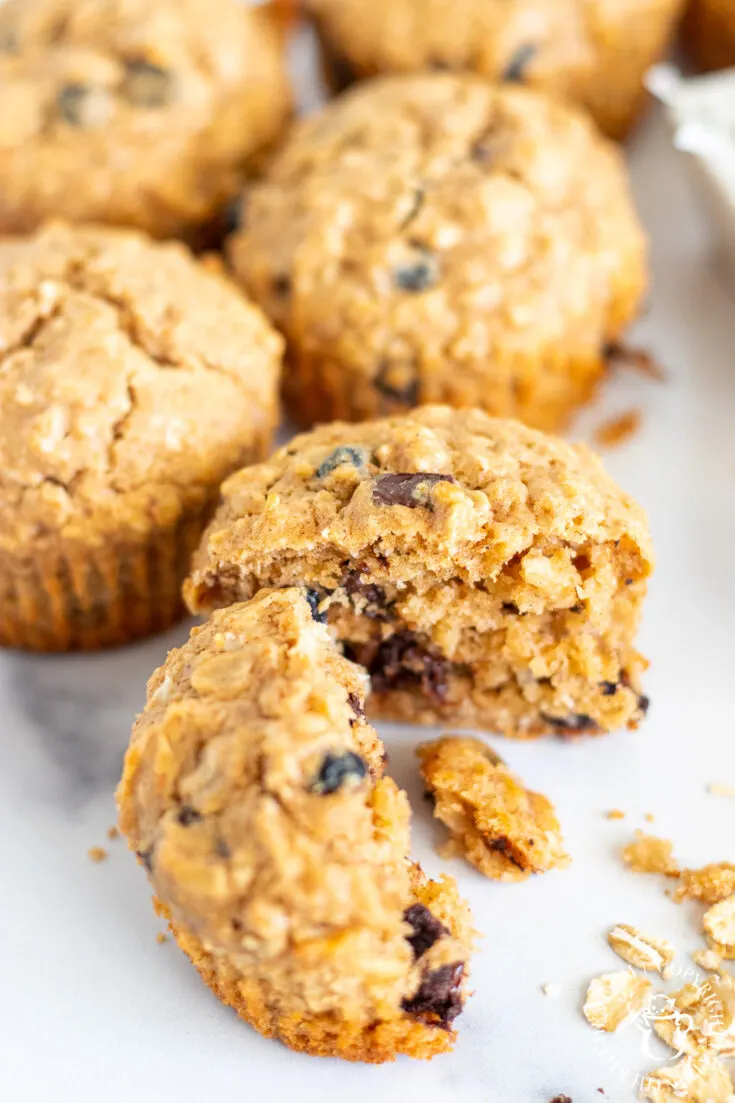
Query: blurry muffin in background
pixel 437 238
pixel 132 382
pixel 709 33
pixel 139 113
pixel 592 51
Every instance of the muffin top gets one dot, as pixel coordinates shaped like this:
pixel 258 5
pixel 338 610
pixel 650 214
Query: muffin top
pixel 131 379
pixel 130 111
pixel 434 218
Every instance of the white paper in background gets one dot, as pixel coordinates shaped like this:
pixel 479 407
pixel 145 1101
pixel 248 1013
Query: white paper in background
pixel 94 1010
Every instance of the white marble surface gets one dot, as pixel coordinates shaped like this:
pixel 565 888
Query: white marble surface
pixel 94 1010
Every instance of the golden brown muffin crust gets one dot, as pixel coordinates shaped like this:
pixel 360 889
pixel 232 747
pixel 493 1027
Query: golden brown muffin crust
pixel 132 112
pixel 435 238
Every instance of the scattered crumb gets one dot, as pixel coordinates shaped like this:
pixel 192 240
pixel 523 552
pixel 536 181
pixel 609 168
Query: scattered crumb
pixel 649 854
pixel 691 1080
pixel 641 950
pixel 617 430
pixel 649 817
pixel 615 814
pixel 112 832
pixel 505 830
pixel 699 1018
pixel 161 938
pixel 719 927
pixel 707 959
pixel 614 998
pixel 710 884
pixel 97 853
pixel 628 356
pixel 561 1099
pixel 719 789
pixel 551 989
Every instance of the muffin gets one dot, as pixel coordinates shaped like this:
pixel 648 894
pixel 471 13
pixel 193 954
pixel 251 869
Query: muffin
pixel 254 795
pixel 592 51
pixel 132 383
pixel 484 574
pixel 709 33
pixel 435 238
pixel 133 113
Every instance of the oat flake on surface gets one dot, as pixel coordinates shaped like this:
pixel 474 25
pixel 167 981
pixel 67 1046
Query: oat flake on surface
pixel 691 1080
pixel 719 927
pixel 614 998
pixel 642 950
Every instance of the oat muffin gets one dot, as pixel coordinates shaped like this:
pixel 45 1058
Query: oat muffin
pixel 592 51
pixel 485 575
pixel 133 112
pixel 131 383
pixel 506 831
pixel 253 794
pixel 709 33
pixel 437 239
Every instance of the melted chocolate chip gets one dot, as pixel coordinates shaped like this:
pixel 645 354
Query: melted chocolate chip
pixel 501 844
pixel 510 607
pixel 146 84
pixel 398 382
pixel 515 70
pixel 338 771
pixel 411 490
pixel 418 275
pixel 401 662
pixel 438 998
pixel 568 725
pixel 345 454
pixel 314 599
pixel 427 929
pixel 188 815
pixel 356 705
pixel 609 688
pixel 371 598
pixel 146 857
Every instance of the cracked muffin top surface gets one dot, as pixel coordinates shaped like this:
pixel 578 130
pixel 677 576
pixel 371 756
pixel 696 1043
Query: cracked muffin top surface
pixel 158 103
pixel 131 379
pixel 438 217
pixel 436 494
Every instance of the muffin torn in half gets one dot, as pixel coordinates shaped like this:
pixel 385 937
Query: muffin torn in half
pixel 253 794
pixel 486 575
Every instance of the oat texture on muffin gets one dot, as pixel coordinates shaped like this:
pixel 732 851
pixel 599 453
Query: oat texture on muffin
pixel 595 52
pixel 253 792
pixel 505 830
pixel 484 573
pixel 438 239
pixel 132 383
pixel 133 113
pixel 709 33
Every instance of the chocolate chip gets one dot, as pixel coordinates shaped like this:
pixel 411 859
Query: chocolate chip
pixel 315 599
pixel 418 275
pixel 515 70
pixel 501 844
pixel 567 725
pixel 438 998
pixel 146 84
pixel 356 705
pixel 644 703
pixel 188 815
pixel 629 582
pixel 411 490
pixel 427 929
pixel 609 688
pixel 510 607
pixel 146 857
pixel 367 597
pixel 398 382
pixel 80 105
pixel 345 454
pixel 339 771
pixel 401 662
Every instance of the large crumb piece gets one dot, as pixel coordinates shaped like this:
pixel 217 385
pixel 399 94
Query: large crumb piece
pixel 615 998
pixel 617 430
pixel 707 959
pixel 615 814
pixel 97 854
pixel 641 950
pixel 710 884
pixel 719 926
pixel 504 829
pixel 650 854
pixel 691 1080
pixel 699 1018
